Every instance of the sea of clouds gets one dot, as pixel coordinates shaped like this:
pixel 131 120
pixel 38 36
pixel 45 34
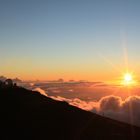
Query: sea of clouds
pixel 126 110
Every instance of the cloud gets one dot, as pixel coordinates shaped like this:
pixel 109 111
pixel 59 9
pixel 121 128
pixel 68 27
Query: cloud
pixel 131 109
pixel 84 105
pixel 41 91
pixel 111 102
pixel 31 84
pixel 127 110
pixel 114 107
pixel 77 102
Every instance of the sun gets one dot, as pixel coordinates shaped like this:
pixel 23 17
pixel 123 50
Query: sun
pixel 128 79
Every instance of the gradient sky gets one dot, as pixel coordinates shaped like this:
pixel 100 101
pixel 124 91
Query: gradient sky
pixel 70 39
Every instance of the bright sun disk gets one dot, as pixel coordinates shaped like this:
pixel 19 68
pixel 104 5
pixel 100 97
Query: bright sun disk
pixel 128 77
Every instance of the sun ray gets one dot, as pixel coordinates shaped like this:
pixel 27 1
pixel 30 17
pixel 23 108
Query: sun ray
pixel 125 53
pixel 108 61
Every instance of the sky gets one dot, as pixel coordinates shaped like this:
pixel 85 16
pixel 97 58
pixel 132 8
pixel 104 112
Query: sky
pixel 90 40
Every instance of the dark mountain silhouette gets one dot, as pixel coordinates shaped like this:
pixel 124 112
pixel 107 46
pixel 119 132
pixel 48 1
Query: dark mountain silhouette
pixel 26 114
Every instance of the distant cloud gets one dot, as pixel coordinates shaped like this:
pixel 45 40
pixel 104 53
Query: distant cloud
pixel 31 84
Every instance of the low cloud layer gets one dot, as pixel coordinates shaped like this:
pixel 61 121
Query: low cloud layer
pixel 127 110
pixel 41 91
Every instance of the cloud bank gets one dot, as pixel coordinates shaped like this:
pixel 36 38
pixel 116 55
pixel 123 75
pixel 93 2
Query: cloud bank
pixel 127 110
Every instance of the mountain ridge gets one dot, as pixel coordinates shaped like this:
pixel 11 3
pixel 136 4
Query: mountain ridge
pixel 27 114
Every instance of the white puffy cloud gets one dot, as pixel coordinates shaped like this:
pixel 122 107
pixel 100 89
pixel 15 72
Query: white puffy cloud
pixel 127 110
pixel 110 103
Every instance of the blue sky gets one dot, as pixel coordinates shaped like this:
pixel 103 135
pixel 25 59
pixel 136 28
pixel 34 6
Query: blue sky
pixel 64 38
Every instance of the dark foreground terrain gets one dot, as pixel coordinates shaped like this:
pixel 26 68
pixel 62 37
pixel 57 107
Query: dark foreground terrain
pixel 26 114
